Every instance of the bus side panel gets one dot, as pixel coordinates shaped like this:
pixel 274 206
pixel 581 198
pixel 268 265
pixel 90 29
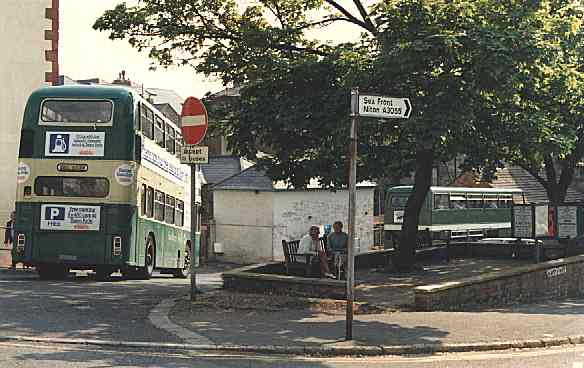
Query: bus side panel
pixel 25 224
pixel 133 239
pixel 120 222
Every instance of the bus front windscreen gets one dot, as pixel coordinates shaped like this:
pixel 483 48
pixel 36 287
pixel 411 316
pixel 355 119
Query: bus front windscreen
pixel 77 111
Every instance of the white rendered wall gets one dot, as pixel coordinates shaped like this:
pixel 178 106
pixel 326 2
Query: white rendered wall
pixel 243 224
pixel 296 211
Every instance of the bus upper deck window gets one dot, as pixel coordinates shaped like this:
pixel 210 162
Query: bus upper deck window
pixel 77 111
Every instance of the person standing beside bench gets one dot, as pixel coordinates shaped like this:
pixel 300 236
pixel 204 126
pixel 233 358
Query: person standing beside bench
pixel 336 244
pixel 310 244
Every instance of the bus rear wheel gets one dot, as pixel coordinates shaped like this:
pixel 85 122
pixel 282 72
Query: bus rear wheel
pixel 184 272
pixel 150 259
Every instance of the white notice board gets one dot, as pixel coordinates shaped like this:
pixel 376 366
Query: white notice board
pixel 522 222
pixel 567 221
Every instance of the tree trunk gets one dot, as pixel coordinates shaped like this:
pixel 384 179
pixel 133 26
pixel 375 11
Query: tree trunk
pixel 406 254
pixel 557 190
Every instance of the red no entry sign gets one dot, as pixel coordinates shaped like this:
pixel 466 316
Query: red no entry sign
pixel 194 120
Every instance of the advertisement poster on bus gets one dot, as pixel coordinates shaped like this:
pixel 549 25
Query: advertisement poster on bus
pixel 85 144
pixel 70 217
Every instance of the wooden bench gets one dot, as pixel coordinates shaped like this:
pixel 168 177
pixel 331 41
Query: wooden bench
pixel 310 268
pixel 291 256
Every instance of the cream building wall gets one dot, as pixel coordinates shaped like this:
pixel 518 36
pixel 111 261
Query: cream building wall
pixel 23 64
pixel 243 225
pixel 250 225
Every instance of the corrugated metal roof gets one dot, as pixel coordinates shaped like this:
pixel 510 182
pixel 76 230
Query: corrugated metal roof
pixel 516 177
pixel 221 167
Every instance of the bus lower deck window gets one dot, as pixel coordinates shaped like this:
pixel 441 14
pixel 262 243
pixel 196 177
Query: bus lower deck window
pixel 66 186
pixel 159 205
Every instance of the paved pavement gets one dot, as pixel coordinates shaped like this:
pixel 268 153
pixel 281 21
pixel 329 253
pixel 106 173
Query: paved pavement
pixel 303 327
pixel 56 356
pixel 249 320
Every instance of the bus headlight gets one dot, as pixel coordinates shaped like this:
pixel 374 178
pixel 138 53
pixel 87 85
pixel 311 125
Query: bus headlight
pixel 117 246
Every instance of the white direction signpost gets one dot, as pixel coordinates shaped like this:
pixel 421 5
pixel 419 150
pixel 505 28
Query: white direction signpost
pixel 384 107
pixel 373 106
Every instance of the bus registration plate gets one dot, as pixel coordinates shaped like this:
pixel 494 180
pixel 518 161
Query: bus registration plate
pixel 69 217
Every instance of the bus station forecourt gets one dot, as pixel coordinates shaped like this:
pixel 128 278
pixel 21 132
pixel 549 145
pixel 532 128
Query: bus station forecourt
pixel 101 188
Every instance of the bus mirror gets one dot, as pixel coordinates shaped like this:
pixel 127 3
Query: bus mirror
pixel 137 148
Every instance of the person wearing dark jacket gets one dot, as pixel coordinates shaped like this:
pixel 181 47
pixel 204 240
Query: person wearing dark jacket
pixel 9 234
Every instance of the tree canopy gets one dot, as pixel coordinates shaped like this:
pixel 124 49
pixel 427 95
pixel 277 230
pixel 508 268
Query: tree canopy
pixel 487 79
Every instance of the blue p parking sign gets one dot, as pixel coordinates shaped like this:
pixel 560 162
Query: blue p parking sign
pixel 55 213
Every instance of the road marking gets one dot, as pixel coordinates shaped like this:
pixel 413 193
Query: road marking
pixel 159 318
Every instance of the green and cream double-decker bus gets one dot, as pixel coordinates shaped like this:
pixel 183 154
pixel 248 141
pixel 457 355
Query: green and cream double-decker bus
pixel 100 185
pixel 452 213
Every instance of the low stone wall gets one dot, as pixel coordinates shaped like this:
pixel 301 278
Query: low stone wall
pixel 248 279
pixel 549 280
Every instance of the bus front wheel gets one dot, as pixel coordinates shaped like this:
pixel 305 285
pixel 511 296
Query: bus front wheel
pixel 150 259
pixel 183 273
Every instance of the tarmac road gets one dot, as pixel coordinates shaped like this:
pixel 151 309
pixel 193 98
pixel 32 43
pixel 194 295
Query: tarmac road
pixel 81 307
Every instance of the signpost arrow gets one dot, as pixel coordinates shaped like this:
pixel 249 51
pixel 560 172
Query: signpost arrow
pixel 379 107
pixel 384 107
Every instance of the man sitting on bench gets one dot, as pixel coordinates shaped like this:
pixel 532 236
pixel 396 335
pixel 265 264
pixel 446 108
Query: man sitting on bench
pixel 310 244
pixel 337 246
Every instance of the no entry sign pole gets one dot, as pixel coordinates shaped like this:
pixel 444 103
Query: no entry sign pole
pixel 194 123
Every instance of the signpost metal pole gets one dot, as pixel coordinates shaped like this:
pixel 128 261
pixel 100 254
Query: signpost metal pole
pixel 352 202
pixel 194 123
pixel 194 223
